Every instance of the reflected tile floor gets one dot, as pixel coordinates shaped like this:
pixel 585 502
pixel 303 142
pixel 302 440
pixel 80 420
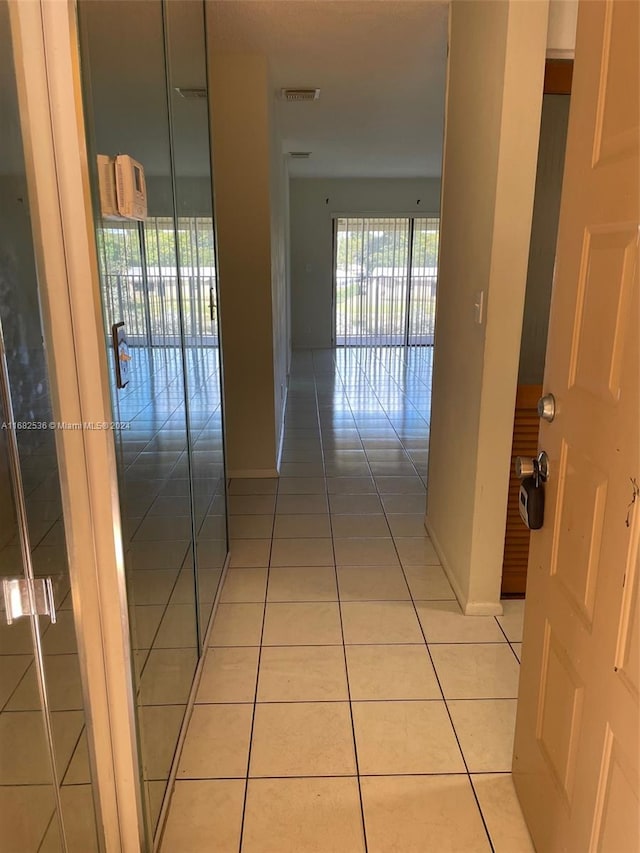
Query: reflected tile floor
pixel 152 456
pixel 346 703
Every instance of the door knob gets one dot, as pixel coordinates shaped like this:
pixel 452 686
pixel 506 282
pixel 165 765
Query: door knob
pixel 530 466
pixel 525 467
pixel 547 408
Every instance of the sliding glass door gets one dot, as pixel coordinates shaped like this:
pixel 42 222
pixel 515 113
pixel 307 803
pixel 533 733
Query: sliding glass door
pixel 385 275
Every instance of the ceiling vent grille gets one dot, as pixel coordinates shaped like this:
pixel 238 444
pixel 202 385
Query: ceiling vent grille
pixel 300 94
pixel 299 155
pixel 191 94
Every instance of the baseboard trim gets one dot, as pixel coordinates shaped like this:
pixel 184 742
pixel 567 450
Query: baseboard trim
pixel 445 565
pixel 483 608
pixel 469 608
pixel 252 473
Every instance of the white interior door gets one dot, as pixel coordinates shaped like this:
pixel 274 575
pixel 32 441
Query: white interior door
pixel 576 746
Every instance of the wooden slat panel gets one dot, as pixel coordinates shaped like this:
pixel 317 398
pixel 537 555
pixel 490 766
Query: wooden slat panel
pixel 525 443
pixel 558 75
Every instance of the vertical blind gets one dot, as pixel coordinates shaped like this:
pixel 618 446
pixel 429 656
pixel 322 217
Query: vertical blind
pixel 385 274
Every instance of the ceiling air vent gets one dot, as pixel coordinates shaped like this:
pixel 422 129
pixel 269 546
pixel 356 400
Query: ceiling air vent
pixel 299 155
pixel 300 94
pixel 192 94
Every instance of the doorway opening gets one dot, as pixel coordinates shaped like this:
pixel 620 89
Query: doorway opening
pixel 385 271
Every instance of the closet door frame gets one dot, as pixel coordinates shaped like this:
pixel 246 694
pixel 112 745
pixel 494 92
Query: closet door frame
pixel 47 67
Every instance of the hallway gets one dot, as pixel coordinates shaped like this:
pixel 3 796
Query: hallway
pixel 345 703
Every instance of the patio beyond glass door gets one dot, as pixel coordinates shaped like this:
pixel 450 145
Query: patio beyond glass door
pixel 385 275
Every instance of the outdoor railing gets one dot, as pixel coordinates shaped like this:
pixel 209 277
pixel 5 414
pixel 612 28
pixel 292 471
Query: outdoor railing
pixel 372 310
pixel 156 320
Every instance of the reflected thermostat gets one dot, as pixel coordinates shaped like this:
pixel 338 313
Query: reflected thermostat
pixel 121 355
pixel 122 187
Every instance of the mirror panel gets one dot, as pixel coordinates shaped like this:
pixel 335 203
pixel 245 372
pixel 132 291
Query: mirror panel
pixel 187 75
pixel 158 279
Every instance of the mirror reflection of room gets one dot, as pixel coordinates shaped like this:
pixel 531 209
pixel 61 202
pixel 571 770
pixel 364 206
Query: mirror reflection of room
pixel 148 122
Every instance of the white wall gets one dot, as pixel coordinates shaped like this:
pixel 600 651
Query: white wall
pixel 242 180
pixel 495 81
pixel 314 201
pixel 279 273
pixel 561 33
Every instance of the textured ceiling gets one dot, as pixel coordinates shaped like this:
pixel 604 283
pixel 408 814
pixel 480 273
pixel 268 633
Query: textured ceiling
pixel 380 66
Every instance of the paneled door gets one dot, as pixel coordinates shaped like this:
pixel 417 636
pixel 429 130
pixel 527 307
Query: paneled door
pixel 576 746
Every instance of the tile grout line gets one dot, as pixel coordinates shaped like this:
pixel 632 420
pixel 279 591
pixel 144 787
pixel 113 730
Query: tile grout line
pixel 152 647
pixel 402 390
pixel 334 701
pixel 460 773
pixel 446 704
pixel 510 642
pixel 371 474
pixel 344 649
pixel 300 414
pixel 255 698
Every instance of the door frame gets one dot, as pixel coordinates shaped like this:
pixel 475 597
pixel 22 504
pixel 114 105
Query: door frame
pixel 47 68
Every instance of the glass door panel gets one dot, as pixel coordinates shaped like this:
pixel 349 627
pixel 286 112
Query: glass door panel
pixel 27 781
pixel 46 795
pixel 371 279
pixel 423 282
pixel 385 276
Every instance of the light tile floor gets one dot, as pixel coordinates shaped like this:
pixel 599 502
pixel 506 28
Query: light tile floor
pixel 346 704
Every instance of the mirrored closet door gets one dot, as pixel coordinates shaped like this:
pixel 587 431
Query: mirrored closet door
pixel 143 66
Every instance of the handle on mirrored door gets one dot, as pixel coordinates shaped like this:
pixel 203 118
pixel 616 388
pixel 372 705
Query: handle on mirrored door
pixel 28 597
pixel 212 303
pixel 121 356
